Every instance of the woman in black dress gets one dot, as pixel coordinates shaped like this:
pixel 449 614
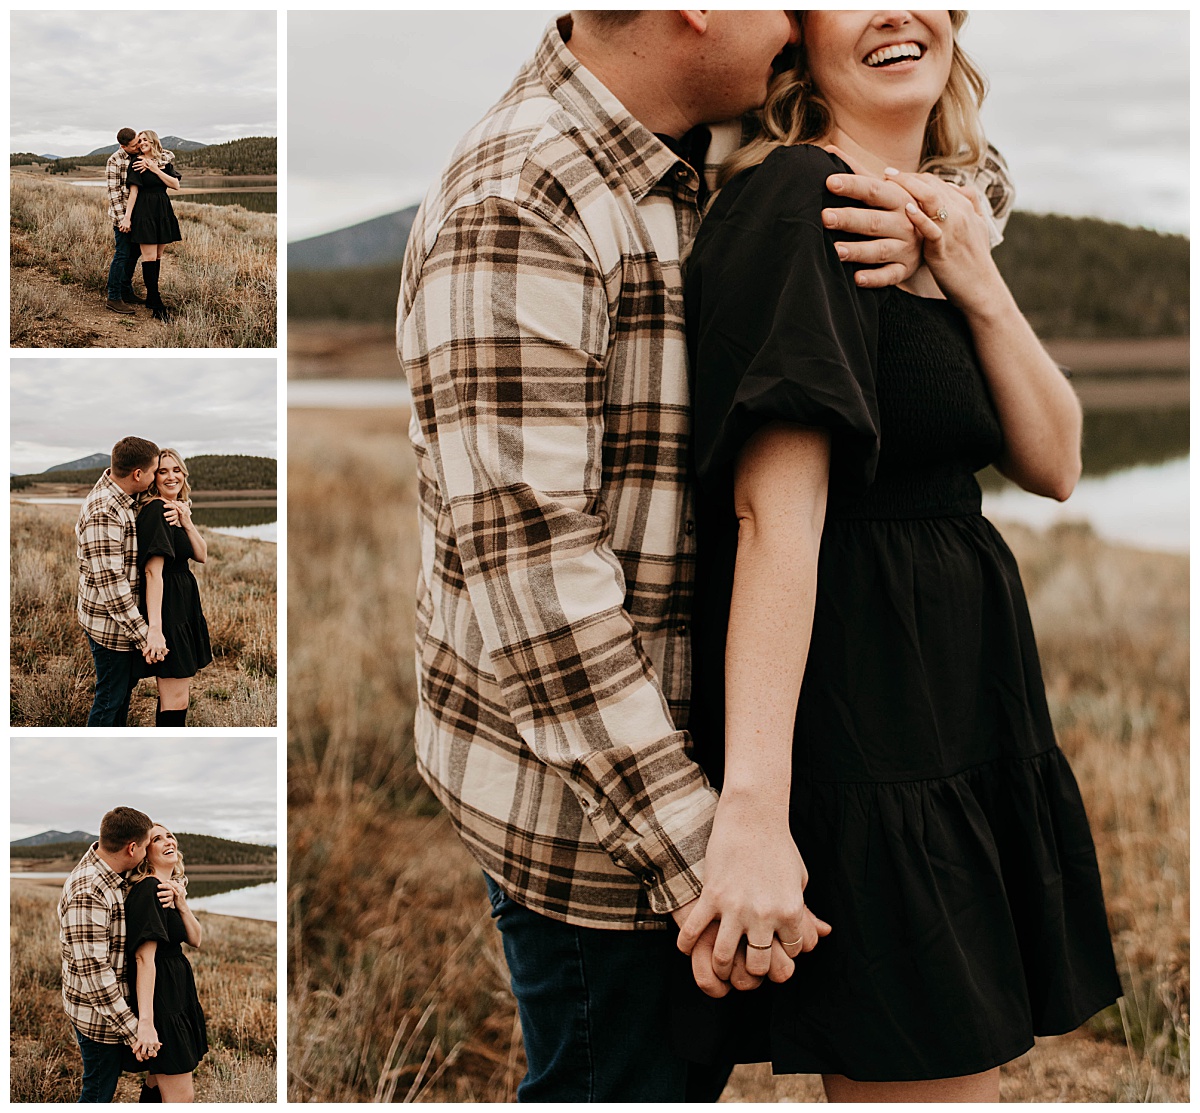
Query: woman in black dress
pixel 867 690
pixel 149 218
pixel 161 989
pixel 170 596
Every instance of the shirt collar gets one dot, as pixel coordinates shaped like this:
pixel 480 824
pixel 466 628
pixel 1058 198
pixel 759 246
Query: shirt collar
pixel 107 874
pixel 632 152
pixel 115 491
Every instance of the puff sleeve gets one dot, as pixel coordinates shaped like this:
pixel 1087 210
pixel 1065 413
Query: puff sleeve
pixel 153 534
pixel 777 329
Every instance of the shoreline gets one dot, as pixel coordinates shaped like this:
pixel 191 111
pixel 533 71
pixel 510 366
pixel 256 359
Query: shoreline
pixel 38 885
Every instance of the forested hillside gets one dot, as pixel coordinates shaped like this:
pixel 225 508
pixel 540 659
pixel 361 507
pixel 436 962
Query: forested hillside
pixel 256 155
pixel 1073 278
pixel 198 850
pixel 206 473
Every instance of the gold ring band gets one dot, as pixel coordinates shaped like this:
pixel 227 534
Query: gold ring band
pixel 796 944
pixel 758 946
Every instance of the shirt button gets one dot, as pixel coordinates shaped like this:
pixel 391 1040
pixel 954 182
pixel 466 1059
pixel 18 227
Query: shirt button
pixel 689 527
pixel 682 628
pixel 681 173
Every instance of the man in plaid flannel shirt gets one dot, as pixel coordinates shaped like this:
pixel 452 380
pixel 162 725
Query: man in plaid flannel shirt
pixel 91 919
pixel 541 330
pixel 121 298
pixel 106 536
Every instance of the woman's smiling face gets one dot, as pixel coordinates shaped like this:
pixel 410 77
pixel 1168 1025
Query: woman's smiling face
pixel 162 851
pixel 169 476
pixel 873 63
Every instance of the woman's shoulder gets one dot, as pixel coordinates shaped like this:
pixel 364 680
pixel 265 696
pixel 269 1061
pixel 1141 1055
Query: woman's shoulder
pixel 788 184
pixel 152 509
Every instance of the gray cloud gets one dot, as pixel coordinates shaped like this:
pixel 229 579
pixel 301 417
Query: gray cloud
pixel 76 77
pixel 214 786
pixel 62 409
pixel 1089 107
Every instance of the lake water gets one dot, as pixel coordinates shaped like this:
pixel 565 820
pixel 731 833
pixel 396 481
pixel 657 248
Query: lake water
pixel 256 200
pixel 255 523
pixel 1135 489
pixel 254 901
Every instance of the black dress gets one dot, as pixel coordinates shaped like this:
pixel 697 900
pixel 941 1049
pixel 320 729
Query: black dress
pixel 178 1017
pixel 153 219
pixel 942 828
pixel 184 628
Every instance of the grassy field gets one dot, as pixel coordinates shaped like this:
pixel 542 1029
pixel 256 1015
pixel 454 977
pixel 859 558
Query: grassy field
pixel 51 670
pixel 235 979
pixel 220 279
pixel 412 1001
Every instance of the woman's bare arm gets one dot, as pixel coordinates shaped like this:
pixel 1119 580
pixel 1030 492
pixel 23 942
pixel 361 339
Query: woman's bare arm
pixel 754 876
pixel 154 592
pixel 145 992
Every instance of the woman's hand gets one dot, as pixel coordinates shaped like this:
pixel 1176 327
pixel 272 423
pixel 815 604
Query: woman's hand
pixel 754 881
pixel 125 223
pixel 146 1043
pixel 958 249
pixel 177 513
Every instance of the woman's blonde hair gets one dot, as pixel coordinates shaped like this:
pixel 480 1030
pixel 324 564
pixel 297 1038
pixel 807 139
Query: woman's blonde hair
pixel 795 112
pixel 156 148
pixel 185 492
pixel 143 869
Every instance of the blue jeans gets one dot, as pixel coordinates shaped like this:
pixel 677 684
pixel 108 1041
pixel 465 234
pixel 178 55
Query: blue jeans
pixel 116 678
pixel 124 263
pixel 101 1069
pixel 594 1009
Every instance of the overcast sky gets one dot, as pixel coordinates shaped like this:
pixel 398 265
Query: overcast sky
pixel 77 77
pixel 206 786
pixel 1089 107
pixel 65 409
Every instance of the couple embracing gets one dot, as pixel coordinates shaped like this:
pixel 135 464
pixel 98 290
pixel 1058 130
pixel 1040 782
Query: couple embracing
pixel 127 986
pixel 724 679
pixel 138 175
pixel 138 600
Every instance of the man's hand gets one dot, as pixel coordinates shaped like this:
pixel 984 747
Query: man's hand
pixel 177 512
pixel 893 252
pixel 124 224
pixel 739 978
pixel 167 892
pixel 142 163
pixel 146 1042
pixel 156 646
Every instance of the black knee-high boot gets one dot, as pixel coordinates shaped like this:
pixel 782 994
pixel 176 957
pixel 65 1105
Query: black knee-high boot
pixel 149 1094
pixel 170 718
pixel 150 270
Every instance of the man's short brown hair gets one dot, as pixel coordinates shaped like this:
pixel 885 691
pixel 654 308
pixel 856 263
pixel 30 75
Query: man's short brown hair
pixel 605 22
pixel 131 453
pixel 122 826
pixel 126 136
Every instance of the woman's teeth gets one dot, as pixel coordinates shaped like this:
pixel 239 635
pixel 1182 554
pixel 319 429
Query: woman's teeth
pixel 887 54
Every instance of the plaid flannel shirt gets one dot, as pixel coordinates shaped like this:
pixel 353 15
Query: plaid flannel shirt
pixel 541 329
pixel 116 170
pixel 91 918
pixel 108 570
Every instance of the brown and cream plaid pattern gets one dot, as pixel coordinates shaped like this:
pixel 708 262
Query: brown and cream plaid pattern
pixel 116 170
pixel 108 572
pixel 91 918
pixel 541 329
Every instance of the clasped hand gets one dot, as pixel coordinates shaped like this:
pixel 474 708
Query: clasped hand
pixel 156 646
pixel 750 920
pixel 176 513
pixel 146 1043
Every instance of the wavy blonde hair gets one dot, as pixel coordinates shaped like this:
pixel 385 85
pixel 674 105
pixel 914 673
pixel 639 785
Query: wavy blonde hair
pixel 142 869
pixel 156 152
pixel 795 112
pixel 185 492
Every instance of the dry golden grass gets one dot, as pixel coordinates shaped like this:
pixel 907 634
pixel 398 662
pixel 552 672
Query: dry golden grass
pixel 51 670
pixel 220 279
pixel 235 980
pixel 406 996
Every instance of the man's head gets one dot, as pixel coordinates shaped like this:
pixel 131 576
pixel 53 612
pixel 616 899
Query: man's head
pixel 700 66
pixel 126 137
pixel 133 463
pixel 124 835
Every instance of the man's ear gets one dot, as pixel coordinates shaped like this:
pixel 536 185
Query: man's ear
pixel 696 20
